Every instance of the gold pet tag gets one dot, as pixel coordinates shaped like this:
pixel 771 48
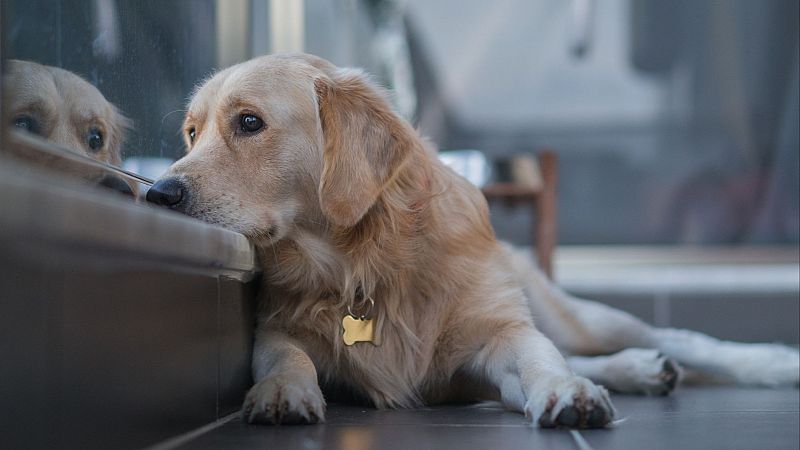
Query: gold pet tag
pixel 358 330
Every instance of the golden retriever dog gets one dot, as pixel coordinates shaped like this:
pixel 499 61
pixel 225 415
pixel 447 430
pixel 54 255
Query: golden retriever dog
pixel 65 109
pixel 383 278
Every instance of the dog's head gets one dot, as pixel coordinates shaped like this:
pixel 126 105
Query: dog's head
pixel 65 109
pixel 281 140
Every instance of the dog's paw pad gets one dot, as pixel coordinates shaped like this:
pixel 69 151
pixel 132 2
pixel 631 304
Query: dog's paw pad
pixel 570 402
pixel 670 375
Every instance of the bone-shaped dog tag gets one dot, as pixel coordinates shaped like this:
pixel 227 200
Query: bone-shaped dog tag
pixel 358 330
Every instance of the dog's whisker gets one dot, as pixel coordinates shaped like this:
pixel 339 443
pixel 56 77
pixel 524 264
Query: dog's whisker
pixel 170 113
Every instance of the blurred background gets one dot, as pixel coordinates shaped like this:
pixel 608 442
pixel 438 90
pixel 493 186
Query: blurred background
pixel 675 123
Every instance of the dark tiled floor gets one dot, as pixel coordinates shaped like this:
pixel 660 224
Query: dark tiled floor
pixel 692 418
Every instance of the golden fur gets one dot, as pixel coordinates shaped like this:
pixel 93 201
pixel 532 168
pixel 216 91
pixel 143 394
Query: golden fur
pixel 64 108
pixel 345 202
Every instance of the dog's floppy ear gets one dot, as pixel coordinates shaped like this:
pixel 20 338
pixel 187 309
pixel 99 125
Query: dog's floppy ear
pixel 365 144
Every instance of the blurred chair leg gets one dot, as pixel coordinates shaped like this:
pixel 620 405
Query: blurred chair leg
pixel 545 231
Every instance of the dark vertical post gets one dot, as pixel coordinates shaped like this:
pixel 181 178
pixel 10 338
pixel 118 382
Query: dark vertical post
pixel 546 232
pixel 3 28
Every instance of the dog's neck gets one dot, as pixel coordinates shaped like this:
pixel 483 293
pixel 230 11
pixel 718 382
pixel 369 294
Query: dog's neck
pixel 320 259
pixel 337 262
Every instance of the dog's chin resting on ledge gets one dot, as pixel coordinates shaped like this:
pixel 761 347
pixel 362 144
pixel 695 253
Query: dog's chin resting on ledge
pixel 382 275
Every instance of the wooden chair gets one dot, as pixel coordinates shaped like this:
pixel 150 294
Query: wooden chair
pixel 542 200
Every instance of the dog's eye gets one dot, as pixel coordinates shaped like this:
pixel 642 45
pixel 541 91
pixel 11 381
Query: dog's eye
pixel 191 134
pixel 25 123
pixel 95 139
pixel 250 123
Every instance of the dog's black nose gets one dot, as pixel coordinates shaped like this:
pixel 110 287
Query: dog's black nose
pixel 166 192
pixel 116 183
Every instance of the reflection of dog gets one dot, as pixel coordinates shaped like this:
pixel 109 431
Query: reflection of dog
pixel 383 277
pixel 65 109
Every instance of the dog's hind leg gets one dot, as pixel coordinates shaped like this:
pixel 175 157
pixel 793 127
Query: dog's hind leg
pixel 576 326
pixel 770 365
pixel 586 328
pixel 631 371
pixel 590 328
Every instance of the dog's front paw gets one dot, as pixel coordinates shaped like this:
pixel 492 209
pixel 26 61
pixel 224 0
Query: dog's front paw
pixel 571 402
pixel 282 400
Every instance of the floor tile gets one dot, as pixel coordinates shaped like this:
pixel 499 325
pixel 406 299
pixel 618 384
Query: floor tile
pixel 706 418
